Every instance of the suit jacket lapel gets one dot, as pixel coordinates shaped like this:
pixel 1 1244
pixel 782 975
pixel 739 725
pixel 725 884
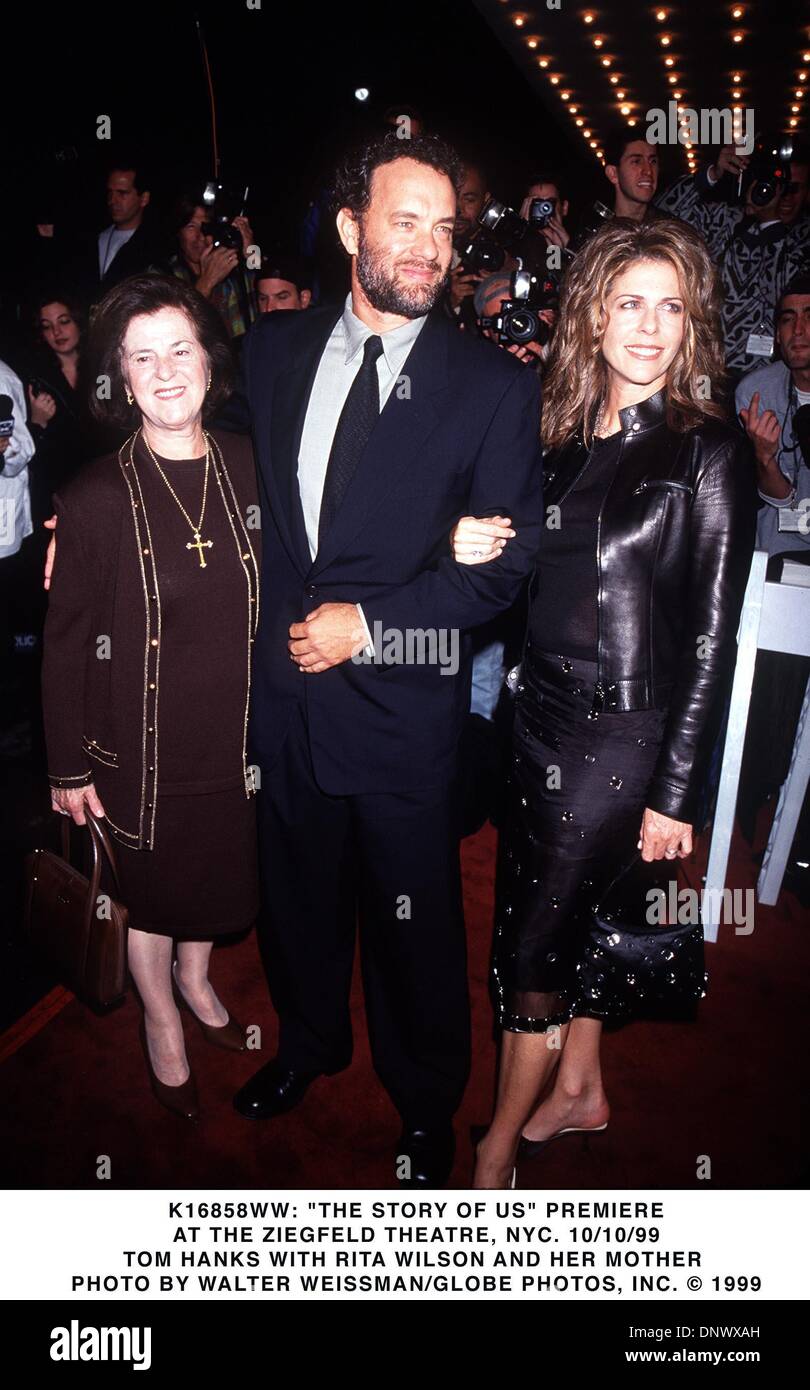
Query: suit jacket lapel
pixel 395 444
pixel 286 411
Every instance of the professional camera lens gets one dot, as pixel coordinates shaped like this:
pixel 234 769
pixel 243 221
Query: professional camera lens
pixel 520 325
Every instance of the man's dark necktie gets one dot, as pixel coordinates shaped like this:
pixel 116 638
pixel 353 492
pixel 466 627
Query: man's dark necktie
pixel 360 411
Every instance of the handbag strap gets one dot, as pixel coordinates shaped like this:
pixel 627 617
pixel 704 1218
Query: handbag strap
pixel 100 836
pixel 100 844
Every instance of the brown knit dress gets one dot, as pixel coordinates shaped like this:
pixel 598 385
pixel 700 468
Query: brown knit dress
pixel 200 880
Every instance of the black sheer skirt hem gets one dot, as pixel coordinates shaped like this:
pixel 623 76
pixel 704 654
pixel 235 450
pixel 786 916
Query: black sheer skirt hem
pixel 577 791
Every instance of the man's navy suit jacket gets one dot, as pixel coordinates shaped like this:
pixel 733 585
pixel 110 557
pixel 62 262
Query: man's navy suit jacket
pixel 458 435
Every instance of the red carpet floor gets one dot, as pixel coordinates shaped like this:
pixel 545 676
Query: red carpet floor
pixel 729 1088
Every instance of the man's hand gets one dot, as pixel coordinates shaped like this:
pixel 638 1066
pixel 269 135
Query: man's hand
pixel 245 230
pixel 763 431
pixel 463 284
pixel 555 233
pixel 664 838
pixel 50 556
pixel 72 803
pixel 729 163
pixel 328 636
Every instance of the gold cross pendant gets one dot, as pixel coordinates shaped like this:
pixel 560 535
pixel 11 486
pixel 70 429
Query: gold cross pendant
pixel 197 545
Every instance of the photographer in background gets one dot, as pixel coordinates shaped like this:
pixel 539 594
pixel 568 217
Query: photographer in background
pixel 471 199
pixel 214 263
pixel 758 244
pixel 495 292
pixel 773 403
pixel 547 187
pixel 496 645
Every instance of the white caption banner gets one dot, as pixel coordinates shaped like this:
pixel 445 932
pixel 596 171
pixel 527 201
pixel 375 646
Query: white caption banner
pixel 213 1245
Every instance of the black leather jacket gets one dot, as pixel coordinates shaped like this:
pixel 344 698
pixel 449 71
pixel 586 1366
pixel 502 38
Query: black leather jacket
pixel 676 535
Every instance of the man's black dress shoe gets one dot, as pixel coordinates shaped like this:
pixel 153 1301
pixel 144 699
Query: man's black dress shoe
pixel 424 1157
pixel 273 1090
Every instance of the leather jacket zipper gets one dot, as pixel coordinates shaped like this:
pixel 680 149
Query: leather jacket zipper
pixel 661 482
pixel 599 688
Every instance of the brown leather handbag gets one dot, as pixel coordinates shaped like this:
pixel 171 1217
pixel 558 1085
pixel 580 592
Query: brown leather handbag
pixel 80 933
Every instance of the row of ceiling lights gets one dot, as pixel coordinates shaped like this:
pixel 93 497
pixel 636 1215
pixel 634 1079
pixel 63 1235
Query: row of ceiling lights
pixel 622 96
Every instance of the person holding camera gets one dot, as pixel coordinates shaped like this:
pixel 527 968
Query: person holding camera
pixel 633 612
pixel 470 200
pixel 214 264
pixel 546 188
pixel 758 241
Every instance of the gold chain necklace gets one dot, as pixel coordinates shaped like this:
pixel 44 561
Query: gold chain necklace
pixel 197 544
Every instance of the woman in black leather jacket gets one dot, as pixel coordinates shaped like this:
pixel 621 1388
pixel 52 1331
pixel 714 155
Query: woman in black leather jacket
pixel 633 615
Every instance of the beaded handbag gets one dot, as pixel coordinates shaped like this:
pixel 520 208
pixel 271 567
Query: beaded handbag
pixel 637 962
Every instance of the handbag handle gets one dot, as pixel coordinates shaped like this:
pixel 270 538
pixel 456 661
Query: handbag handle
pixel 100 841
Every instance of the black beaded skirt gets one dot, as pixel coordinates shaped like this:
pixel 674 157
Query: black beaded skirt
pixel 576 796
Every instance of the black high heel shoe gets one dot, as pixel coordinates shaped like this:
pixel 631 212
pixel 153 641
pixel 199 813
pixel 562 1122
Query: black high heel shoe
pixel 182 1100
pixel 529 1148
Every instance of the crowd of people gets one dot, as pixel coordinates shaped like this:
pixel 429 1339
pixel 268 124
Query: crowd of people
pixel 162 398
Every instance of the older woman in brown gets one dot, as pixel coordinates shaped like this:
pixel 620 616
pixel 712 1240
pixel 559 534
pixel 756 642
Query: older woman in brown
pixel 146 675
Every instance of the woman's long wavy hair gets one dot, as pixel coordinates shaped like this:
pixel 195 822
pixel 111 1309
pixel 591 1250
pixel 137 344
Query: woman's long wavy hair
pixel 576 382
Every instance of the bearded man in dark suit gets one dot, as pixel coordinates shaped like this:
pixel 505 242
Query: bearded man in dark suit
pixel 377 425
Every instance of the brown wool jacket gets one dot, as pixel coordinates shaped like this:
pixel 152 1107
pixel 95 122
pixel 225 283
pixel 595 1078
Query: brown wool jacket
pixel 100 714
